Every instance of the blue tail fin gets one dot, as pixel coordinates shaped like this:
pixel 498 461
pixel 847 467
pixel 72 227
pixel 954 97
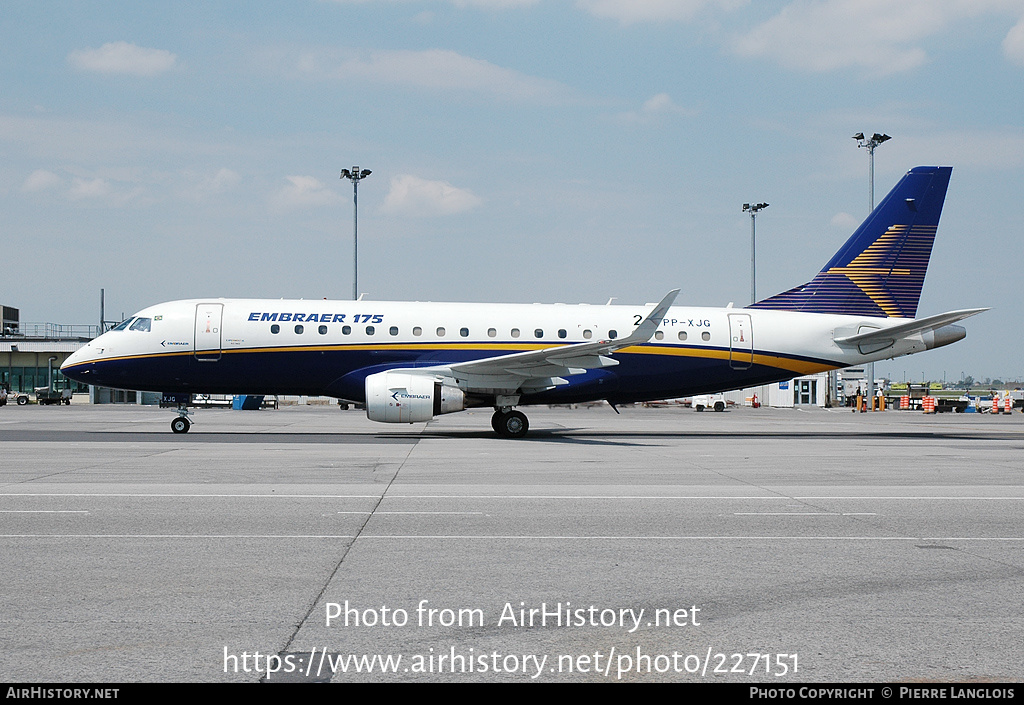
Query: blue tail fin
pixel 880 270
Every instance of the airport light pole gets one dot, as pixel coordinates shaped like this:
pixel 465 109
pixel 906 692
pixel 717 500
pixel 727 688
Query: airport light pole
pixel 10 368
pixel 753 209
pixel 870 143
pixel 355 176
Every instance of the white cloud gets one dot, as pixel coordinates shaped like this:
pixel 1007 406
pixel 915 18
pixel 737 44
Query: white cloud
pixel 435 70
pixel 41 180
pixel 1013 44
pixel 411 195
pixel 223 180
pixel 304 192
pixel 82 188
pixel 654 108
pixel 123 58
pixel 634 11
pixel 844 221
pixel 879 36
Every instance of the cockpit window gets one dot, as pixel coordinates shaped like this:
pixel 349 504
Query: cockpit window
pixel 123 324
pixel 142 324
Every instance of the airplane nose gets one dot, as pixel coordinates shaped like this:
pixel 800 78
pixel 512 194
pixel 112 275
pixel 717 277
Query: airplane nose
pixel 75 358
pixel 76 365
pixel 69 361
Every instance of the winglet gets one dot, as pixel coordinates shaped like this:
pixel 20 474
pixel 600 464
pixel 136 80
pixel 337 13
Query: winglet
pixel 645 331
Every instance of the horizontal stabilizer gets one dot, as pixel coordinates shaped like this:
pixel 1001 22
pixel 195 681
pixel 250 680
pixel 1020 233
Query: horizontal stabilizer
pixel 920 325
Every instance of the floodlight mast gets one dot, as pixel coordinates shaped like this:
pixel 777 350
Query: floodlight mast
pixel 870 143
pixel 753 209
pixel 355 176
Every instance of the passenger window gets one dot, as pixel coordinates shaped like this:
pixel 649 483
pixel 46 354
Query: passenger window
pixel 658 335
pixel 515 332
pixel 440 332
pixel 141 324
pixel 588 334
pixel 370 330
pixel 464 332
pixel 322 330
pixel 539 333
pixel 394 330
pixel 613 334
pixel 682 335
pixel 705 336
pixel 562 333
pixel 346 330
pixel 417 331
pixel 299 329
pixel 491 332
pixel 275 329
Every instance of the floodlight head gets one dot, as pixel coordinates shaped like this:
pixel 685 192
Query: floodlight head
pixel 878 139
pixel 746 207
pixel 859 136
pixel 364 173
pixel 345 174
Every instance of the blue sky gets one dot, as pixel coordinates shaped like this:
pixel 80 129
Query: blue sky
pixel 522 150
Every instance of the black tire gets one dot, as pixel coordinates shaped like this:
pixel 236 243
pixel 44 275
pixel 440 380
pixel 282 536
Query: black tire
pixel 699 407
pixel 22 401
pixel 513 424
pixel 719 406
pixel 180 425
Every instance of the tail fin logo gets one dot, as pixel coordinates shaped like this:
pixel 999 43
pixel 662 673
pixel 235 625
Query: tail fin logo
pixel 880 270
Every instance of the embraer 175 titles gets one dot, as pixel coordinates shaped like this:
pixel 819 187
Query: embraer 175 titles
pixel 411 361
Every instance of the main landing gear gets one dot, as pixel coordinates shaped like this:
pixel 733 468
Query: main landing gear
pixel 509 423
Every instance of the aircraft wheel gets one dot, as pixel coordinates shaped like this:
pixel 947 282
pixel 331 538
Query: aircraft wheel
pixel 496 420
pixel 180 425
pixel 514 424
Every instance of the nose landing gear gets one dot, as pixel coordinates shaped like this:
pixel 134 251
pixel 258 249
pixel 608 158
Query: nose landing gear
pixel 180 424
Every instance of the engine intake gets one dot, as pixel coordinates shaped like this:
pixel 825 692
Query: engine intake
pixel 400 397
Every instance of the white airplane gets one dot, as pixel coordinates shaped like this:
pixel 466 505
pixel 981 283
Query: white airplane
pixel 411 361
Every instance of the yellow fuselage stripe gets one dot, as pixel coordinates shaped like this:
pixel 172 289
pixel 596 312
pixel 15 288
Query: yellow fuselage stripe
pixel 801 367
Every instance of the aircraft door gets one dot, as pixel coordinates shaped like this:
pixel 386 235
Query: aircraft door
pixel 741 341
pixel 209 319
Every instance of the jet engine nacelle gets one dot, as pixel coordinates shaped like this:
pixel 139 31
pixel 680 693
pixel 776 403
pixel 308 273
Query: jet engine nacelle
pixel 400 397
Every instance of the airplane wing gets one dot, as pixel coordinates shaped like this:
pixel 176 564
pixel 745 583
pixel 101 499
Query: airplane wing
pixel 920 325
pixel 536 370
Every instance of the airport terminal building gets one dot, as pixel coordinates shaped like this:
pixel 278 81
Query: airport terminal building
pixel 31 353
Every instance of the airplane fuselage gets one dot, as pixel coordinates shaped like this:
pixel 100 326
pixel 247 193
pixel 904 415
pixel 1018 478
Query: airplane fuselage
pixel 412 361
pixel 321 347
